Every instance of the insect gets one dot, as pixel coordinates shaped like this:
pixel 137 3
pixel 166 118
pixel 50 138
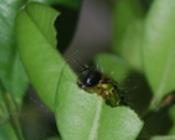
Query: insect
pixel 94 81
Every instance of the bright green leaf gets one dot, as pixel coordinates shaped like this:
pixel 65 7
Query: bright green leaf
pixel 126 125
pixel 42 62
pixel 79 115
pixel 81 110
pixel 159 49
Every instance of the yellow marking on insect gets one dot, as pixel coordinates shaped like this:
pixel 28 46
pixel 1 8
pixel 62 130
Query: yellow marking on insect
pixel 95 82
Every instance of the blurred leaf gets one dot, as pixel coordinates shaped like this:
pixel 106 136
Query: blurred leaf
pixel 159 49
pixel 131 45
pixel 128 31
pixel 11 69
pixel 79 115
pixel 71 3
pixel 125 12
pixel 136 87
pixel 54 138
pixel 160 124
pixel 172 116
pixel 75 4
pixel 3 111
pixel 170 137
pixel 6 132
pixel 49 2
pixel 156 123
pixel 146 4
pixel 113 66
pixel 133 84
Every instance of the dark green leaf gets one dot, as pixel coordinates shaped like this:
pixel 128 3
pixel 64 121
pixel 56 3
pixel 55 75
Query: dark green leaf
pixel 75 4
pixel 172 116
pixel 53 138
pixel 70 3
pixel 133 84
pixel 49 2
pixel 11 70
pixel 170 137
pixel 6 132
pixel 3 111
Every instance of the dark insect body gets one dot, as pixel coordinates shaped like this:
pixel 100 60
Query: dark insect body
pixel 95 82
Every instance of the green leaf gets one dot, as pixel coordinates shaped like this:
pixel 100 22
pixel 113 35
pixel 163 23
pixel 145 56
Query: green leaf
pixel 75 4
pixel 43 64
pixel 170 137
pixel 93 115
pixel 49 2
pixel 79 115
pixel 11 69
pixel 172 117
pixel 85 116
pixel 131 45
pixel 156 123
pixel 7 132
pixel 3 111
pixel 126 125
pixel 66 25
pixel 128 31
pixel 125 12
pixel 159 49
pixel 67 21
pixel 113 66
pixel 53 138
pixel 133 84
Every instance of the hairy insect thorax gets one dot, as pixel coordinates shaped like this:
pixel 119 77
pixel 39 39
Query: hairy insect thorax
pixel 103 86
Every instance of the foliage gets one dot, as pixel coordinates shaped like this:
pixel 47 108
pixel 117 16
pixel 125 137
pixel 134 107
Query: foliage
pixel 141 56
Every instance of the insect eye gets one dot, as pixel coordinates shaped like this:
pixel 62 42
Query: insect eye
pixel 91 78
